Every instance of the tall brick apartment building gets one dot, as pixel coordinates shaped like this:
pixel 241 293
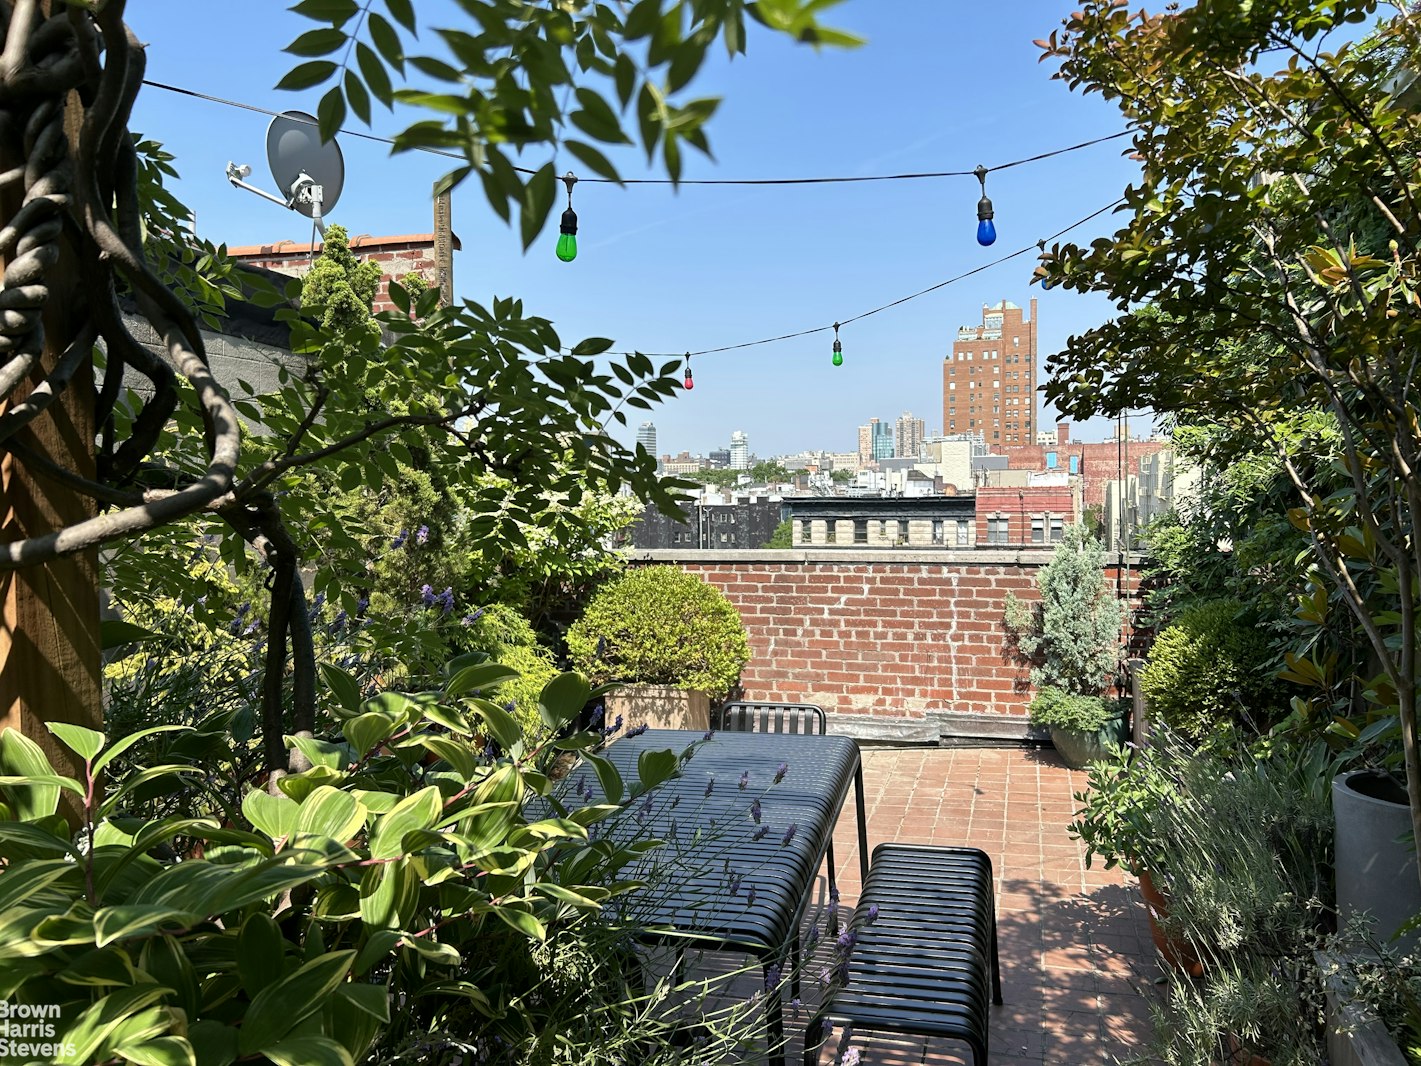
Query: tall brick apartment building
pixel 989 378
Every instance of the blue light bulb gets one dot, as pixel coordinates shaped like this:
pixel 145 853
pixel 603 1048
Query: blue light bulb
pixel 986 232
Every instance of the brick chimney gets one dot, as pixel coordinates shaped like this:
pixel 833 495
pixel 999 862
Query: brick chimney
pixel 1063 434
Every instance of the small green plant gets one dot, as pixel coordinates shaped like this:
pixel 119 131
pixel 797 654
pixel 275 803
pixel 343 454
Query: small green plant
pixel 1207 668
pixel 1054 707
pixel 1120 812
pixel 506 637
pixel 659 625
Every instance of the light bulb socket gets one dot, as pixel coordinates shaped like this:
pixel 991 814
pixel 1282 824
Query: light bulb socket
pixel 569 222
pixel 984 209
pixel 838 348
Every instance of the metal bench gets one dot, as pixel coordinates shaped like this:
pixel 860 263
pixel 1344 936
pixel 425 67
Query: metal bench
pixel 927 963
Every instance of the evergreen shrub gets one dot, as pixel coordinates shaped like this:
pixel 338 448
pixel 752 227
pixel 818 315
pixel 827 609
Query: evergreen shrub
pixel 659 625
pixel 1211 663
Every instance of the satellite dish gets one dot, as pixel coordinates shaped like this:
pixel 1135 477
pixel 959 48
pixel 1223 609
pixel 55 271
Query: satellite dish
pixel 309 173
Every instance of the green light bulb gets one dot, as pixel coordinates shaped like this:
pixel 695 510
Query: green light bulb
pixel 567 242
pixel 838 353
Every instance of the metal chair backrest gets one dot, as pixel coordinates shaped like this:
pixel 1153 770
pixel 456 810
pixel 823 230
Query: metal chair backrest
pixel 749 717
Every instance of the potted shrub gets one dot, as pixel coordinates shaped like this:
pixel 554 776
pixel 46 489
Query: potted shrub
pixel 676 640
pixel 1119 821
pixel 1083 728
pixel 1071 639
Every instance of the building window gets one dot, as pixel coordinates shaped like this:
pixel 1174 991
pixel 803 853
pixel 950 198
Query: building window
pixel 830 531
pixel 883 528
pixel 998 529
pixel 902 531
pixel 937 530
pixel 806 531
pixel 860 530
pixel 963 531
pixel 1038 529
pixel 1057 529
pixel 1075 464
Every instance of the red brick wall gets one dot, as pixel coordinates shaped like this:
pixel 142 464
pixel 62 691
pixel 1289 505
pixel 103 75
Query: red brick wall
pixel 890 639
pixel 397 257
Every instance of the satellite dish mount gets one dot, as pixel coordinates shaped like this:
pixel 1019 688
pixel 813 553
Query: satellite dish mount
pixel 310 173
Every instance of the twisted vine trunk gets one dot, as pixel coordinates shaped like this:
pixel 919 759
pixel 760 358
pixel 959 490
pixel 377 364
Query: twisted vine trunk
pixel 49 614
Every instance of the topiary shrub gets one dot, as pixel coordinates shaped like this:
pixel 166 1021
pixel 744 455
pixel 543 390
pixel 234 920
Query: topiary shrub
pixel 1206 667
pixel 659 625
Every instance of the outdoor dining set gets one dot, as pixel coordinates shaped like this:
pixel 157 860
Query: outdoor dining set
pixel 751 821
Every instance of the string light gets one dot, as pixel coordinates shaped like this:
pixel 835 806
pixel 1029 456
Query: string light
pixel 838 348
pixel 690 382
pixel 567 230
pixel 842 179
pixel 1039 246
pixel 986 231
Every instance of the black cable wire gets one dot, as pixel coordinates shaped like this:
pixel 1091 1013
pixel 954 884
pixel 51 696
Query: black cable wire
pixel 902 300
pixel 667 181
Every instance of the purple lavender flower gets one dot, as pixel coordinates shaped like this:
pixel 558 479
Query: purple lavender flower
pixel 811 938
pixel 446 599
pixel 872 913
pixel 780 772
pixel 710 784
pixel 644 811
pixel 399 542
pixel 772 978
pixel 847 939
pixel 755 809
pixel 318 601
pixel 834 893
pixel 745 780
pixel 470 619
pixel 850 1057
pixel 735 880
pixel 616 725
pixel 338 623
pixel 710 733
pixel 251 627
pixel 598 713
pixel 759 834
pixel 637 731
pixel 789 833
pixel 426 593
pixel 750 896
pixel 361 606
pixel 421 535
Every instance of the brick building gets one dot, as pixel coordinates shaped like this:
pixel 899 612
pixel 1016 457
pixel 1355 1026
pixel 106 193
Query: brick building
pixel 1034 515
pixel 989 377
pixel 1095 465
pixel 397 256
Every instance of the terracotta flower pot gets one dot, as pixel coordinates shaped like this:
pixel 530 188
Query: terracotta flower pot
pixel 1175 950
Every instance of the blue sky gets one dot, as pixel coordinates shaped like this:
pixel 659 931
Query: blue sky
pixel 939 85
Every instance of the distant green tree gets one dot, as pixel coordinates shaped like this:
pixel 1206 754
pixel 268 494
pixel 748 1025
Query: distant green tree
pixel 841 477
pixel 769 471
pixel 783 536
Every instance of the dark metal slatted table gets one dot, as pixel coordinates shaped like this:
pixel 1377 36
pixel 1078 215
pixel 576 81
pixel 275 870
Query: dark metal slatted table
pixel 713 836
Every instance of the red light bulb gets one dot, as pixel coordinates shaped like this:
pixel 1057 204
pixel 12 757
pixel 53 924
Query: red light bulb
pixel 690 382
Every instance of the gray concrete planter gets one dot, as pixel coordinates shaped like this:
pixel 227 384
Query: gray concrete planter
pixel 1355 1036
pixel 1376 864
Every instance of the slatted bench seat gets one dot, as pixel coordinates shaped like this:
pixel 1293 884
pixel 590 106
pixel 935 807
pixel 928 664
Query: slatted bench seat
pixel 927 964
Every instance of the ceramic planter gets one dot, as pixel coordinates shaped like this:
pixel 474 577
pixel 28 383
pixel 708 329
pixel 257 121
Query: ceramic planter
pixel 1376 863
pixel 658 707
pixel 1079 748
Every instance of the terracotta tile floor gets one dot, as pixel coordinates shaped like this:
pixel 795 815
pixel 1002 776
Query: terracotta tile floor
pixel 1078 967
